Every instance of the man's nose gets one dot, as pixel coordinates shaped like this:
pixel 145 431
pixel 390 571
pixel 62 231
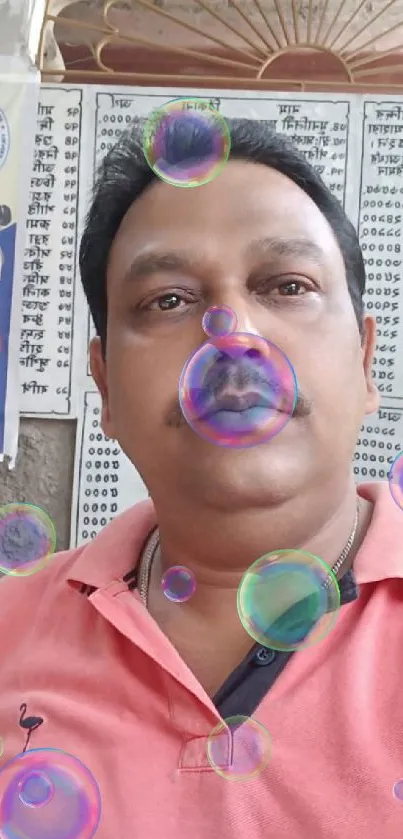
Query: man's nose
pixel 246 317
pixel 245 321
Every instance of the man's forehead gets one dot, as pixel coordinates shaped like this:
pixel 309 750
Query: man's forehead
pixel 168 228
pixel 242 190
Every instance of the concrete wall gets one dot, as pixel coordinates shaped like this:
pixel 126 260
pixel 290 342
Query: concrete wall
pixel 44 471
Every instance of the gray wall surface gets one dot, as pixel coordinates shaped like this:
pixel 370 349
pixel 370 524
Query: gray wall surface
pixel 43 473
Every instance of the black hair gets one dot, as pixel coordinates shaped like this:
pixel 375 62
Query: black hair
pixel 124 174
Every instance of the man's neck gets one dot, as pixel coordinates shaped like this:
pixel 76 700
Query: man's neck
pixel 206 630
pixel 220 550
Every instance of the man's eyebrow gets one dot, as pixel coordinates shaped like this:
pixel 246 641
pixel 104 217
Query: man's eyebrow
pixel 144 265
pixel 278 246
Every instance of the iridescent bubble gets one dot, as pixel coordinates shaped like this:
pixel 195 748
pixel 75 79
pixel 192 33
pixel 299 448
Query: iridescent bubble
pixel 48 794
pixel 27 539
pixel 178 583
pixel 398 790
pixel 186 142
pixel 219 321
pixel 288 600
pixel 395 477
pixel 238 391
pixel 36 789
pixel 238 748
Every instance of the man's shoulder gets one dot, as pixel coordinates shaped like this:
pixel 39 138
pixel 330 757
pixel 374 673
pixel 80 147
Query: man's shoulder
pixel 379 557
pixel 96 563
pixel 21 589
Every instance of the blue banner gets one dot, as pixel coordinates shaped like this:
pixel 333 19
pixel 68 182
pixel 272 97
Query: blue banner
pixel 7 251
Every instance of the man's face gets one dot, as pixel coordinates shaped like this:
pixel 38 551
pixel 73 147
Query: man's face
pixel 252 240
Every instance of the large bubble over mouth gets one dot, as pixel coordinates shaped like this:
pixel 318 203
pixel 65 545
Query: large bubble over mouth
pixel 238 390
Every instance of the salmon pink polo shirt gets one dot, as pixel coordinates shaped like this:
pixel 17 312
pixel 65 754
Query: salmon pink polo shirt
pixel 113 691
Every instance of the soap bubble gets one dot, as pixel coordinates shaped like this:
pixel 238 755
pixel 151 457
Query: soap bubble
pixel 288 600
pixel 27 539
pixel 48 794
pixel 219 321
pixel 36 789
pixel 178 584
pixel 238 391
pixel 186 142
pixel 238 748
pixel 398 790
pixel 395 478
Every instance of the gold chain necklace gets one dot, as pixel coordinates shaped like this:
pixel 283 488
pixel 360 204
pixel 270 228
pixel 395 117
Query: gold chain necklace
pixel 152 551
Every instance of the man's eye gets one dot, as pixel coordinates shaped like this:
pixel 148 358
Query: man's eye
pixel 292 288
pixel 166 302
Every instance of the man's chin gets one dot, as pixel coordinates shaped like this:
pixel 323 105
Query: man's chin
pixel 235 479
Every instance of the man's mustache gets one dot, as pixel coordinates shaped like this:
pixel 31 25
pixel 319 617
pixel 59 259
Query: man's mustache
pixel 228 377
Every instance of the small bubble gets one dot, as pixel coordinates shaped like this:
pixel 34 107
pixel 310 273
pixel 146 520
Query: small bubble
pixel 238 748
pixel 395 479
pixel 35 789
pixel 178 584
pixel 398 790
pixel 219 321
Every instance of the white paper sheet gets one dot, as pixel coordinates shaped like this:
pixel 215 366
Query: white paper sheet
pixel 50 318
pixel 380 189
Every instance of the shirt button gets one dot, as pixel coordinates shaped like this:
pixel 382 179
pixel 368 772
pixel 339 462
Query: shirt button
pixel 264 656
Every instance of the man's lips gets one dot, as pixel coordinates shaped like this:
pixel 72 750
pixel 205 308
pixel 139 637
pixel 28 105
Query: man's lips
pixel 238 403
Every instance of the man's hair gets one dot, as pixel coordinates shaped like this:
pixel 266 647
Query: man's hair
pixel 124 174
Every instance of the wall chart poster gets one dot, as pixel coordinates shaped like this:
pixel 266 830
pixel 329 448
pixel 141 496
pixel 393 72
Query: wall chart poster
pixel 354 141
pixel 17 113
pixel 51 319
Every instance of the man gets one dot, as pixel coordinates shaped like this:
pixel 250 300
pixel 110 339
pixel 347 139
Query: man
pixel 133 684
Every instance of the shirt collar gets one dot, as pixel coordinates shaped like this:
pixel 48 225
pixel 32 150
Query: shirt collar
pixel 117 547
pixel 380 555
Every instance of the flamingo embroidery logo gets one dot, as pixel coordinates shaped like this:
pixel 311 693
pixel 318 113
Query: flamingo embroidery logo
pixel 28 724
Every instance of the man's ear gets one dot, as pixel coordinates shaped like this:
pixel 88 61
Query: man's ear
pixel 368 345
pixel 99 374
